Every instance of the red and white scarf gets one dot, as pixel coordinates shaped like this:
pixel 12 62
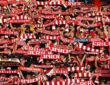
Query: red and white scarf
pixel 8 32
pixel 65 40
pixel 30 69
pixel 81 46
pixel 23 81
pixel 94 39
pixel 64 82
pixel 50 56
pixel 101 43
pixel 9 71
pixel 59 50
pixel 71 69
pixel 43 66
pixel 17 11
pixel 19 19
pixel 20 51
pixel 36 52
pixel 29 48
pixel 51 37
pixel 4 78
pixel 28 36
pixel 56 32
pixel 83 75
pixel 28 81
pixel 106 19
pixel 49 3
pixel 60 71
pixel 59 22
pixel 58 3
pixel 94 14
pixel 39 25
pixel 48 16
pixel 17 2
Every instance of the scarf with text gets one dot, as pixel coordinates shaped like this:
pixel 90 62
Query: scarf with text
pixel 101 43
pixel 50 56
pixel 30 69
pixel 59 50
pixel 9 71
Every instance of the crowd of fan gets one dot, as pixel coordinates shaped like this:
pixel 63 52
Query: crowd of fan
pixel 59 31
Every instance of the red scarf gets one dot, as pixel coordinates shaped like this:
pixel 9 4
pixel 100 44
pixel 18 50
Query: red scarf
pixel 50 56
pixel 59 50
pixel 56 32
pixel 30 69
pixel 9 71
pixel 19 19
pixel 51 37
pixel 101 43
pixel 8 33
pixel 28 36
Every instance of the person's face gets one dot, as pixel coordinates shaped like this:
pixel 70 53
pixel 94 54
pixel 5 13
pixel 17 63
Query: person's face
pixel 72 75
pixel 58 78
pixel 2 37
pixel 88 66
pixel 20 7
pixel 67 17
pixel 97 29
pixel 48 63
pixel 12 37
pixel 28 77
pixel 5 56
pixel 92 56
pixel 37 58
pixel 109 29
pixel 62 57
pixel 40 8
pixel 72 28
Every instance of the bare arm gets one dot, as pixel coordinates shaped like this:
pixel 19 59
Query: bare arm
pixel 83 60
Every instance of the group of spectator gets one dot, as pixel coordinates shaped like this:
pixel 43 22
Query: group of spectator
pixel 54 42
